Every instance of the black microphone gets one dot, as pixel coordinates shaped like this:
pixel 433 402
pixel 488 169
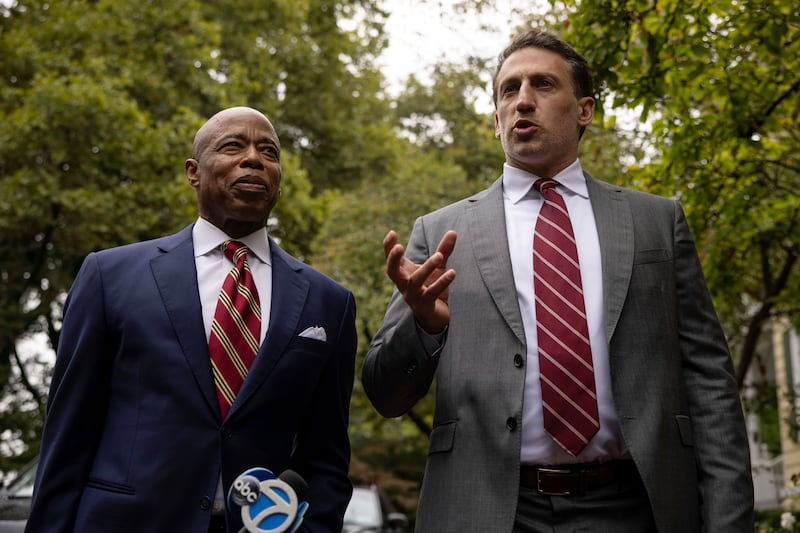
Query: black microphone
pixel 269 504
pixel 296 481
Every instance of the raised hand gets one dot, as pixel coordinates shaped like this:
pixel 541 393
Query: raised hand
pixel 424 287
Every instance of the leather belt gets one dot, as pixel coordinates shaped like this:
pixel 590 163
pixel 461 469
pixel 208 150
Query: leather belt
pixel 566 480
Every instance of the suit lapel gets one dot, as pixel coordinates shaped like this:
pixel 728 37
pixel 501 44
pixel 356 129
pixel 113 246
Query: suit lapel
pixel 487 228
pixel 181 298
pixel 612 215
pixel 289 292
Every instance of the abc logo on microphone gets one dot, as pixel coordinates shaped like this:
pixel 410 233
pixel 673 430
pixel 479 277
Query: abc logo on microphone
pixel 269 504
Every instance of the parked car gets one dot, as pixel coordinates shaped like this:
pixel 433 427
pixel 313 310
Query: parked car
pixel 370 511
pixel 15 500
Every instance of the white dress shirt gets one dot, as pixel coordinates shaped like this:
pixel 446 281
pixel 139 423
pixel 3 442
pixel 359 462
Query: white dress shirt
pixel 522 203
pixel 212 269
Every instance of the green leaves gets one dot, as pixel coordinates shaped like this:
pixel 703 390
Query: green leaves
pixel 99 103
pixel 718 83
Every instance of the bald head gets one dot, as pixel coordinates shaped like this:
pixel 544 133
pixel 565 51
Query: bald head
pixel 211 128
pixel 236 170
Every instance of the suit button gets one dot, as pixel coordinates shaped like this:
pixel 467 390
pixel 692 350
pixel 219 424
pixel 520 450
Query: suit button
pixel 226 434
pixel 518 360
pixel 411 368
pixel 205 503
pixel 511 423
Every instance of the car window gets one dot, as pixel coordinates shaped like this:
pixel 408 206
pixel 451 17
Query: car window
pixel 22 486
pixel 364 509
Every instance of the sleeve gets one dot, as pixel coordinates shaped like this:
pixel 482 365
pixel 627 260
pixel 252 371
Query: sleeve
pixel 399 368
pixel 719 433
pixel 76 406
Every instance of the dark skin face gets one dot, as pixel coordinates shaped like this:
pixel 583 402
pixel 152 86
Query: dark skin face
pixel 236 170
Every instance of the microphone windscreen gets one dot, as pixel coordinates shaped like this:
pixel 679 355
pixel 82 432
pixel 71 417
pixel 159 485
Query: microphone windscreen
pixel 296 481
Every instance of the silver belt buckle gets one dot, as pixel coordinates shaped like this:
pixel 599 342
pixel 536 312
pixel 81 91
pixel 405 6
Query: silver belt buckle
pixel 540 490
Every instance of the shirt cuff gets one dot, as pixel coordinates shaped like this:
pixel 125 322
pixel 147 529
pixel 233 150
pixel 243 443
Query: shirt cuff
pixel 431 342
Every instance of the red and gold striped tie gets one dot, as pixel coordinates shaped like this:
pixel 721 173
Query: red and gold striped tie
pixel 565 355
pixel 236 330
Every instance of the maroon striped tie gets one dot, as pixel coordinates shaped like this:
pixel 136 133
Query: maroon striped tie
pixel 565 355
pixel 236 330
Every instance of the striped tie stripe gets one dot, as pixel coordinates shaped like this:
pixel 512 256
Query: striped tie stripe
pixel 236 329
pixel 565 356
pixel 229 348
pixel 224 299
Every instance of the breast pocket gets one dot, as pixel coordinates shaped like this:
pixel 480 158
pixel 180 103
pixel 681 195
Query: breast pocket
pixel 656 255
pixel 651 292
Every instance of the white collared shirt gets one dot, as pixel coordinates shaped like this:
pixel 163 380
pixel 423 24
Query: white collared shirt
pixel 522 203
pixel 213 267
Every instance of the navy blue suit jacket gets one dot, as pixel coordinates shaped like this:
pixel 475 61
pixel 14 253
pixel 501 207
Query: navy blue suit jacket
pixel 133 439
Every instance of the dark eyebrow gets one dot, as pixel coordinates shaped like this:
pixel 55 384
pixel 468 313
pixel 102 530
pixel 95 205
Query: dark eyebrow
pixel 243 137
pixel 538 75
pixel 229 136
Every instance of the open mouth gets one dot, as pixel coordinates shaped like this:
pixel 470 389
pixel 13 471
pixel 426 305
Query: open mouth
pixel 524 127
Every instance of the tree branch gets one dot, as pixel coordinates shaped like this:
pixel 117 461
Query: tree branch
pixel 23 376
pixel 423 427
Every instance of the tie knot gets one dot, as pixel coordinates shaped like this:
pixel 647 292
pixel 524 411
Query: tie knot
pixel 544 184
pixel 234 250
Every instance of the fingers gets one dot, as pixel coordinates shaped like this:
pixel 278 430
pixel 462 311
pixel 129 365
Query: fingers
pixel 388 242
pixel 394 257
pixel 425 271
pixel 447 244
pixel 427 281
pixel 437 286
pixel 424 286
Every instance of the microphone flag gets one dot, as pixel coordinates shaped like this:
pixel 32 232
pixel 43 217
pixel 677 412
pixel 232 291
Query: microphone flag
pixel 269 504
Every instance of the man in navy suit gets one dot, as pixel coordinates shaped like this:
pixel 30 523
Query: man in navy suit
pixel 134 440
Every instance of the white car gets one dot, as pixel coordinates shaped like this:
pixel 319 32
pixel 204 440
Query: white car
pixel 15 500
pixel 369 511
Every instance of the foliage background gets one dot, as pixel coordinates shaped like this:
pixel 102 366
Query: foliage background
pixel 99 100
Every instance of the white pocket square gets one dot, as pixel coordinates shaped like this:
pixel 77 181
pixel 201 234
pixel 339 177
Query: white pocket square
pixel 315 332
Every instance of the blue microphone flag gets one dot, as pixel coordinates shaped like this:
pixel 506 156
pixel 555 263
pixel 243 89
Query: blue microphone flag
pixel 268 504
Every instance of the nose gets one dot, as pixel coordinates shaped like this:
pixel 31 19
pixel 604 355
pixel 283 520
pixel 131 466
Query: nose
pixel 252 157
pixel 525 97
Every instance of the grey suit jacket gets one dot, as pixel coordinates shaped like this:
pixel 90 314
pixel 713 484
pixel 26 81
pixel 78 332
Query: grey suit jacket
pixel 671 372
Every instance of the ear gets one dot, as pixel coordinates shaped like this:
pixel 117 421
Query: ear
pixel 191 172
pixel 496 126
pixel 585 111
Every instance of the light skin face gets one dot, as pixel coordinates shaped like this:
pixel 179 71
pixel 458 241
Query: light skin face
pixel 236 170
pixel 538 121
pixel 538 116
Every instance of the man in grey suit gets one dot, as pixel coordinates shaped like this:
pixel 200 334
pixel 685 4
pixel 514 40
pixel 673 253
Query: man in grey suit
pixel 667 448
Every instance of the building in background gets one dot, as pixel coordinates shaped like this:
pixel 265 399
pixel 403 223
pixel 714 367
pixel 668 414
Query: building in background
pixel 786 351
pixel 759 396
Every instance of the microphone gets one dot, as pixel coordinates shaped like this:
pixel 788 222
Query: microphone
pixel 269 504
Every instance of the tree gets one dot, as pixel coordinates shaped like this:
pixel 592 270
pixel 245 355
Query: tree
pixel 99 100
pixel 317 80
pixel 442 118
pixel 718 83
